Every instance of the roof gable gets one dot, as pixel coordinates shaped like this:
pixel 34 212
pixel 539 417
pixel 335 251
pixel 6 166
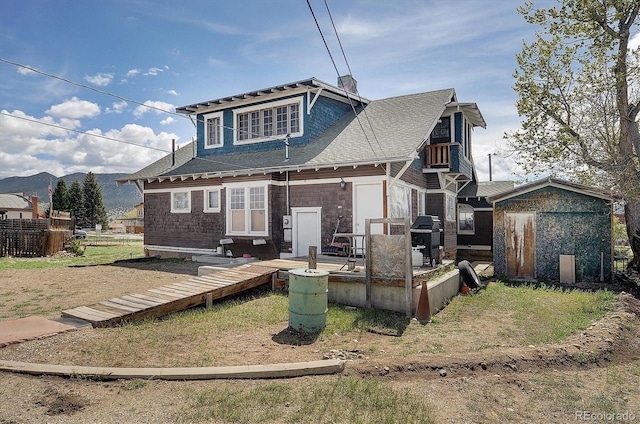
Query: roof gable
pixel 276 91
pixel 552 182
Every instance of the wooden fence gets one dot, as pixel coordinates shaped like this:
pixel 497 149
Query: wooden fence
pixel 35 237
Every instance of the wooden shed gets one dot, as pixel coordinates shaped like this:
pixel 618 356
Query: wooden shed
pixel 553 230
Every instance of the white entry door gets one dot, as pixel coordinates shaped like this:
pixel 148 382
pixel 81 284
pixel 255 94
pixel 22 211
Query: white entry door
pixel 306 230
pixel 367 204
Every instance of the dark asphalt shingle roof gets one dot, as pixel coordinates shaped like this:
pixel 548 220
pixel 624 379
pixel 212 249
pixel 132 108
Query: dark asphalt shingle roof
pixel 486 188
pixel 388 130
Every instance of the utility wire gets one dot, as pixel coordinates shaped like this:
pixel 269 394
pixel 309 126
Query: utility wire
pixel 82 132
pixel 338 73
pixel 344 55
pixel 117 96
pixel 35 121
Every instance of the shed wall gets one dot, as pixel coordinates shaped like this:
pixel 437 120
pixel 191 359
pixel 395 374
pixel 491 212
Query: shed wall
pixel 566 223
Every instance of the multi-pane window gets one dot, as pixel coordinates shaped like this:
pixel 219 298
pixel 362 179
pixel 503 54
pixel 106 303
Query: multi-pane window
pixel 267 122
pixel 247 210
pixel 442 131
pixel 256 206
pixel 243 127
pixel 213 130
pixel 275 120
pixel 237 210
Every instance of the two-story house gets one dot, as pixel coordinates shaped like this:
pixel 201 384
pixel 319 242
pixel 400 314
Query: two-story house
pixel 277 170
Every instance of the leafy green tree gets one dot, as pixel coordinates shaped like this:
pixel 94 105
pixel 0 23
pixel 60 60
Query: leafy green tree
pixel 76 203
pixel 579 96
pixel 60 196
pixel 94 211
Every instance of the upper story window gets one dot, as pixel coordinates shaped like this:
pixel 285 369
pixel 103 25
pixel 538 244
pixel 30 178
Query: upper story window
pixel 213 130
pixel 275 119
pixel 442 131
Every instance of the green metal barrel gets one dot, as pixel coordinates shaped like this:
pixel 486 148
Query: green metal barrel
pixel 308 299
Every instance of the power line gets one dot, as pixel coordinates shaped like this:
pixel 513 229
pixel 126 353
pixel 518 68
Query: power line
pixel 119 97
pixel 114 139
pixel 338 73
pixel 82 132
pixel 344 55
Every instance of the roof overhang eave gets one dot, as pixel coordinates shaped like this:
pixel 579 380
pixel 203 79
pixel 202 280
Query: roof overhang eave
pixel 309 83
pixel 272 169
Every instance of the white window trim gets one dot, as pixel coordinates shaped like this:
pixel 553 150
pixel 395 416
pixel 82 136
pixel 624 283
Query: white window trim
pixel 176 191
pixel 206 117
pixel 207 209
pixel 462 206
pixel 422 202
pixel 268 105
pixel 248 232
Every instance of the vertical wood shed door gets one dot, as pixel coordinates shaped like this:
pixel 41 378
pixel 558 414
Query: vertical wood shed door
pixel 520 235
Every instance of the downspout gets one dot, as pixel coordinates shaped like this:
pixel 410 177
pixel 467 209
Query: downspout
pixel 287 194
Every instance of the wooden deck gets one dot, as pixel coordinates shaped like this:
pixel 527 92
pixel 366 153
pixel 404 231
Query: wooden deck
pixel 174 297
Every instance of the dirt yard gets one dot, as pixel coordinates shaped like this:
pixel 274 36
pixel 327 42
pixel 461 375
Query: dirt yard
pixel 497 383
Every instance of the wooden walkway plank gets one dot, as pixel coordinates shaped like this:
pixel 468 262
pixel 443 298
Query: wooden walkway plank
pixel 189 285
pixel 131 304
pixel 174 297
pixel 141 301
pixel 211 284
pixel 166 293
pixel 118 306
pixel 180 290
pixel 152 297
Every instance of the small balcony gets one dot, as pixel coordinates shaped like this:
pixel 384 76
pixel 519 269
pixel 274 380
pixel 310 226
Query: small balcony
pixel 447 157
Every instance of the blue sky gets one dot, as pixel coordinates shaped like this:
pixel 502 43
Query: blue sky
pixel 167 54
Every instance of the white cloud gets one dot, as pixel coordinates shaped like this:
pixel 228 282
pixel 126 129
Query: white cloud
pixel 74 108
pixel 151 105
pixel 169 120
pixel 117 107
pixel 153 71
pixel 101 80
pixel 133 73
pixel 28 147
pixel 173 92
pixel 26 71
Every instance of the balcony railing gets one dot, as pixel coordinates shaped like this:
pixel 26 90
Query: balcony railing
pixel 448 156
pixel 437 155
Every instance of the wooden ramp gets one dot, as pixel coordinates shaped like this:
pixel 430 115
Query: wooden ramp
pixel 173 297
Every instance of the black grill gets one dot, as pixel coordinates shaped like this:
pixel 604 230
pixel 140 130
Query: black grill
pixel 425 231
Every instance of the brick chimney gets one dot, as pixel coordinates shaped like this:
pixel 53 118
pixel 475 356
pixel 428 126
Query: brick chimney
pixel 348 83
pixel 34 206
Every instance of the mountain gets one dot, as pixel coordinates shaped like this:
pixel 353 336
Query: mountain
pixel 122 198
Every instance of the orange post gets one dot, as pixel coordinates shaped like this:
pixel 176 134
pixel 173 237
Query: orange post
pixel 423 313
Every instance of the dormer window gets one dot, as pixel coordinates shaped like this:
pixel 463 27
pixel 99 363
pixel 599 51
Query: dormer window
pixel 213 130
pixel 269 120
pixel 442 131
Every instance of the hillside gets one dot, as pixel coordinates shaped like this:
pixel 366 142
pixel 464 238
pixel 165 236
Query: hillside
pixel 121 198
